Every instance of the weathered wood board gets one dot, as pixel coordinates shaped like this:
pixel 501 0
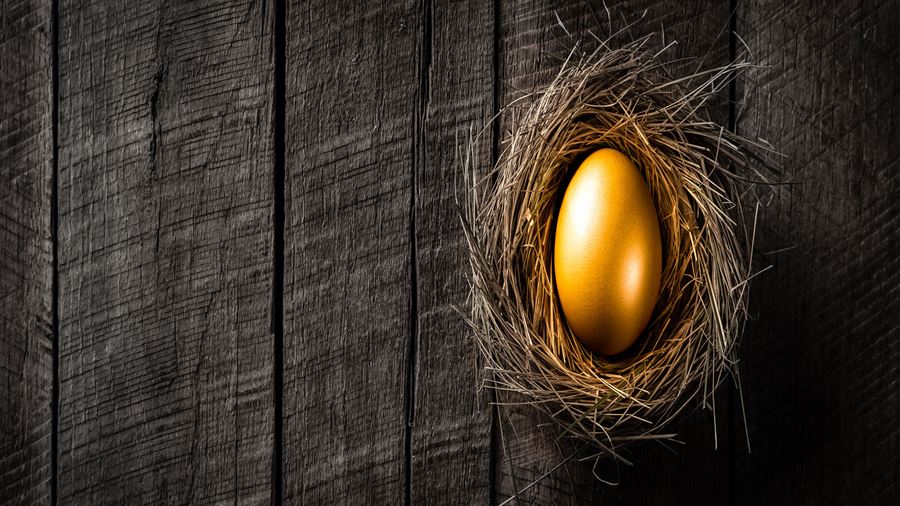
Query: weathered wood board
pixel 165 252
pixel 451 423
pixel 821 364
pixel 26 264
pixel 352 78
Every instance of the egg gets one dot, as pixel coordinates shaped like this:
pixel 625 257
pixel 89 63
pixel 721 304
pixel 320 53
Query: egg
pixel 607 253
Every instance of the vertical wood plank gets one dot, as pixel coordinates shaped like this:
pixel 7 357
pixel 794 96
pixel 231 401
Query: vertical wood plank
pixel 165 194
pixel 821 363
pixel 26 364
pixel 533 46
pixel 451 429
pixel 352 75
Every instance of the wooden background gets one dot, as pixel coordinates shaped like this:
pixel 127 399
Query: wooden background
pixel 229 253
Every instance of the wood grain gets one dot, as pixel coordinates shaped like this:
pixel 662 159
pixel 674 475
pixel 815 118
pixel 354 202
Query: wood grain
pixel 533 45
pixel 26 336
pixel 451 426
pixel 165 194
pixel 167 128
pixel 352 75
pixel 821 365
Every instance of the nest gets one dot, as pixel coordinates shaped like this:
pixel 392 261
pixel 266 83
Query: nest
pixel 626 99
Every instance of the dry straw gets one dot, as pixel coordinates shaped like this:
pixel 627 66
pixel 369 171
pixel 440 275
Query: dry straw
pixel 621 97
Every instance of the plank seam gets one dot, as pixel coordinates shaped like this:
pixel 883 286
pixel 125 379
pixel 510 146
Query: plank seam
pixel 278 219
pixel 418 147
pixel 493 492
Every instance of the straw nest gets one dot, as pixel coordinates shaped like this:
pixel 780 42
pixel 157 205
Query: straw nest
pixel 623 98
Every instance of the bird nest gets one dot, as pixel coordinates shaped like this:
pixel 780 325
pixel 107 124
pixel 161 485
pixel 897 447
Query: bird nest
pixel 623 98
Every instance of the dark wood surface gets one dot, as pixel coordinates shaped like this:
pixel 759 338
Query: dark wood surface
pixel 821 363
pixel 450 421
pixel 183 148
pixel 26 264
pixel 352 81
pixel 165 252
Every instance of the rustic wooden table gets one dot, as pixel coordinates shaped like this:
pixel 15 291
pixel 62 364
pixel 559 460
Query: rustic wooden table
pixel 230 256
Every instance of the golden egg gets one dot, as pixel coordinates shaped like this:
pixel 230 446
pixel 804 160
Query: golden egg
pixel 607 254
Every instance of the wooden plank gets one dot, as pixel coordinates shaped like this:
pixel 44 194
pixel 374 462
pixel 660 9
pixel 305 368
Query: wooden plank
pixel 26 264
pixel 165 188
pixel 352 75
pixel 451 429
pixel 821 363
pixel 532 48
